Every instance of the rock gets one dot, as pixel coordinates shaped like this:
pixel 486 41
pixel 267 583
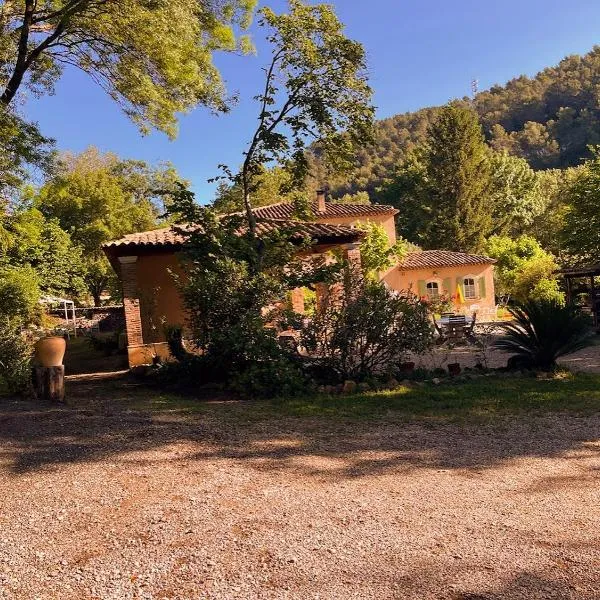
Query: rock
pixel 364 387
pixel 349 387
pixel 436 381
pixel 406 383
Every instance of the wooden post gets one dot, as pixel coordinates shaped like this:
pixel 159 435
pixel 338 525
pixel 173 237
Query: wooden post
pixel 49 383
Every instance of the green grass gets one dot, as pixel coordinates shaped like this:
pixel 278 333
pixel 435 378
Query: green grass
pixel 482 399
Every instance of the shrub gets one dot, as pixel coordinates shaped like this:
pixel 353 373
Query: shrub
pixel 15 357
pixel 19 292
pixel 544 330
pixel 365 330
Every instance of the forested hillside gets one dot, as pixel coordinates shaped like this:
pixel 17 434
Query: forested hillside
pixel 549 119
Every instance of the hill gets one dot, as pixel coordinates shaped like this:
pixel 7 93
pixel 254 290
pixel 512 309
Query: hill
pixel 548 119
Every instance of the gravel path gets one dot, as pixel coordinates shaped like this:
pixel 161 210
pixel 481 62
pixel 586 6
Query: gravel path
pixel 105 502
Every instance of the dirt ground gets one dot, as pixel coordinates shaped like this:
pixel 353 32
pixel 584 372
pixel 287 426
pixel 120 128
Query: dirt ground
pixel 104 500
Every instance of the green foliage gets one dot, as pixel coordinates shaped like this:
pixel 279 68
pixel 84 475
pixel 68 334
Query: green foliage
pixel 153 58
pixel 582 217
pixel 19 293
pixel 358 198
pixel 544 330
pixel 40 243
pixel 516 194
pixel 315 88
pixel 270 186
pixel 99 197
pixel 524 270
pixel 365 330
pixel 235 283
pixel 549 120
pixel 15 356
pixel 22 149
pixel 443 190
pixel 376 253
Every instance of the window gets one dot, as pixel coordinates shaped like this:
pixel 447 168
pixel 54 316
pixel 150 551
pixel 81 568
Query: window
pixel 433 290
pixel 470 292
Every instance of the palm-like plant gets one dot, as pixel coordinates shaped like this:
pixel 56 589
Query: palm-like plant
pixel 543 330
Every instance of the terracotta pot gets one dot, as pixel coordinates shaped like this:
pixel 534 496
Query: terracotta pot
pixel 50 351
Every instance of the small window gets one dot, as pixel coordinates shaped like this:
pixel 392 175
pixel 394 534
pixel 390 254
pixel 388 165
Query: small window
pixel 469 284
pixel 433 290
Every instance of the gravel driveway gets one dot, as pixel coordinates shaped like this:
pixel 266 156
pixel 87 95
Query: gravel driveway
pixel 104 501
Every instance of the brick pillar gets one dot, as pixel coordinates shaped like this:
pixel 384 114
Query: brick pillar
pixel 131 302
pixel 322 293
pixel 352 255
pixel 297 298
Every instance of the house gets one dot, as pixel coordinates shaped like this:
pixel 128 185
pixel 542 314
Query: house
pixel 467 280
pixel 145 263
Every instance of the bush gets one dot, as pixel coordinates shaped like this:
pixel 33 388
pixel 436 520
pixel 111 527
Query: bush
pixel 19 292
pixel 15 357
pixel 366 330
pixel 542 331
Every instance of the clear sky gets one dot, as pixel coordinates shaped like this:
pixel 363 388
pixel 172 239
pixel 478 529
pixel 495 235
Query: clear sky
pixel 421 53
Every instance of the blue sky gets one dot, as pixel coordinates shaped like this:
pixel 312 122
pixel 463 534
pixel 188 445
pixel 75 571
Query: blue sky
pixel 421 53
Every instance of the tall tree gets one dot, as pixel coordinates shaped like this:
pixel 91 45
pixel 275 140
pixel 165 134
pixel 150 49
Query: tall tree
pixel 98 197
pixel 443 189
pixel 315 89
pixel 154 57
pixel 582 219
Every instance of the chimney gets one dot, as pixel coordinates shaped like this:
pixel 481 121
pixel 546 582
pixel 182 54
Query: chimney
pixel 321 201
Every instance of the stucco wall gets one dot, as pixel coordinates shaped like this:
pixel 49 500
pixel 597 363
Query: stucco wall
pixel 447 277
pixel 160 302
pixel 386 220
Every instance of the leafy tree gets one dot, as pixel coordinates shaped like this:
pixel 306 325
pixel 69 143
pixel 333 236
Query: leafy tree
pixel 524 270
pixel 516 194
pixel 315 88
pixel 22 149
pixel 358 198
pixel 376 253
pixel 582 218
pixel 548 227
pixel 42 245
pixel 233 290
pixel 271 186
pixel 19 293
pixel 98 197
pixel 153 58
pixel 444 188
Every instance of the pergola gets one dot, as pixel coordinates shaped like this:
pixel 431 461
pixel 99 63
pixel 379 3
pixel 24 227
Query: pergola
pixel 588 273
pixel 67 305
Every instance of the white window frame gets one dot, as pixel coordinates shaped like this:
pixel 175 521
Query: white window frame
pixel 475 280
pixel 438 289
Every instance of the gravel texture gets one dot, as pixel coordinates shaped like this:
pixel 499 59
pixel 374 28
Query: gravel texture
pixel 101 501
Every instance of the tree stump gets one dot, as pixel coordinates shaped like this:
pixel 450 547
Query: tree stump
pixel 49 383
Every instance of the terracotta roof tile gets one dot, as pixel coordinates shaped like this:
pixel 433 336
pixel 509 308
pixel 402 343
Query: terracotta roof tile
pixel 167 237
pixel 442 258
pixel 285 210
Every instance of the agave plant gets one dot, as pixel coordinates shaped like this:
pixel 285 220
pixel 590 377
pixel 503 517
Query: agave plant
pixel 544 330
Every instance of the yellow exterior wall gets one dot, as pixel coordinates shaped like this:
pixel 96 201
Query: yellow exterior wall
pixel 399 279
pixel 386 220
pixel 160 301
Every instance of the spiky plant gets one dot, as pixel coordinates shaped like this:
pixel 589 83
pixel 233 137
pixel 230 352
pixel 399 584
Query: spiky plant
pixel 544 330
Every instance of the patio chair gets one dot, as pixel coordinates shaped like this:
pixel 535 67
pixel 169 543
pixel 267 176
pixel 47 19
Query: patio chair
pixel 441 336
